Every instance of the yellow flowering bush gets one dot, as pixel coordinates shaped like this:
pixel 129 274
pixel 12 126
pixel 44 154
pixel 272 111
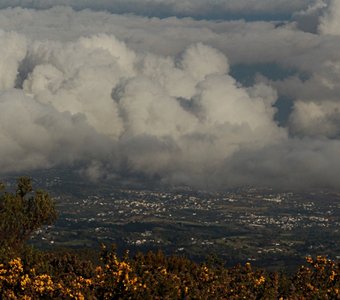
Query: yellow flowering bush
pixel 155 276
pixel 319 279
pixel 15 283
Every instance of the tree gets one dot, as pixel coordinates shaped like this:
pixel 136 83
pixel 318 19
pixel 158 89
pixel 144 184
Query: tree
pixel 22 213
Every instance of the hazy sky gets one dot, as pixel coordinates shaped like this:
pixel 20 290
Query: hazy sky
pixel 207 93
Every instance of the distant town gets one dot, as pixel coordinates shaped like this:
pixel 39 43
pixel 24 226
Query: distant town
pixel 271 229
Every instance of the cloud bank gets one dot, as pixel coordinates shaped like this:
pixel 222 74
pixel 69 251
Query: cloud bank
pixel 203 9
pixel 117 96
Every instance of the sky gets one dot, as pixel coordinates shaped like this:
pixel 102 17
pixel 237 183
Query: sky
pixel 210 94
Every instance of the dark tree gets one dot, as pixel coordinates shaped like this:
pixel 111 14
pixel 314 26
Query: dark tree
pixel 22 213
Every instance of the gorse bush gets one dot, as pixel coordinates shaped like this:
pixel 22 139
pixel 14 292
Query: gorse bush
pixel 155 276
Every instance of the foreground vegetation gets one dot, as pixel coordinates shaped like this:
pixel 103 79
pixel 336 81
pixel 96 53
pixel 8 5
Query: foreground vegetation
pixel 154 276
pixel 29 274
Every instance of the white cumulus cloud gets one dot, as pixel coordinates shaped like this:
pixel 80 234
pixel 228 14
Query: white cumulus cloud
pixel 122 95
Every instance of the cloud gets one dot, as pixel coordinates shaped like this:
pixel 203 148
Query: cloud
pixel 308 19
pixel 121 96
pixel 299 163
pixel 316 119
pixel 206 9
pixel 10 57
pixel 330 21
pixel 35 135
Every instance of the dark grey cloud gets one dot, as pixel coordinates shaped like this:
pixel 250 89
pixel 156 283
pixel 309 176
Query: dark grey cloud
pixel 205 9
pixel 308 19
